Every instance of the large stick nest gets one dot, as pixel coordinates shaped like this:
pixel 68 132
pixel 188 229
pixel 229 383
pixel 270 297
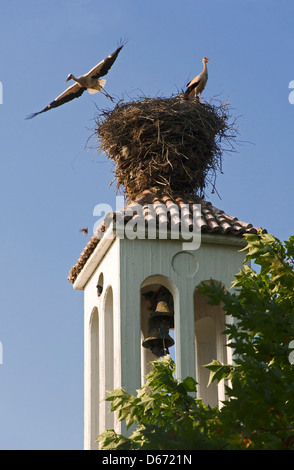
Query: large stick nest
pixel 169 145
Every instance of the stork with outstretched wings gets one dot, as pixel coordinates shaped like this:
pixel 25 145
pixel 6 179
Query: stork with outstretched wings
pixel 91 81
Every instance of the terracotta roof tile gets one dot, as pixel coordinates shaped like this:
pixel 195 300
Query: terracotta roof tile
pixel 213 220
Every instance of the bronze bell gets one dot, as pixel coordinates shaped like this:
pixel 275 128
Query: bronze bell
pixel 158 339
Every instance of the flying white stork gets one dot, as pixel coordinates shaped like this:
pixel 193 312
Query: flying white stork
pixel 196 86
pixel 91 81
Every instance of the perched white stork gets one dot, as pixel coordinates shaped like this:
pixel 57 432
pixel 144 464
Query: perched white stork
pixel 196 86
pixel 91 81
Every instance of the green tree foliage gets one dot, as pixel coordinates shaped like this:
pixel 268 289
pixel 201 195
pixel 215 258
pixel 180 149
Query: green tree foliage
pixel 165 411
pixel 259 410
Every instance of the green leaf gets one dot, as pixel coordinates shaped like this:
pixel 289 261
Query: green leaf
pixel 219 371
pixel 189 384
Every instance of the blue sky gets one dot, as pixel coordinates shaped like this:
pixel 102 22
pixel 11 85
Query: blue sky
pixel 50 183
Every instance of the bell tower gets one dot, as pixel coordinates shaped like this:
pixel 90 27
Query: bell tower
pixel 140 271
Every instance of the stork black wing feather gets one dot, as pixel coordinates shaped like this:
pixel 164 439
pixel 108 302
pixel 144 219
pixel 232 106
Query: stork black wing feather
pixel 107 63
pixel 192 86
pixel 59 101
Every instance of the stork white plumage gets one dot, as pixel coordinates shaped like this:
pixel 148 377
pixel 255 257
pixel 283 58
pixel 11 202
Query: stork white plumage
pixel 91 81
pixel 196 86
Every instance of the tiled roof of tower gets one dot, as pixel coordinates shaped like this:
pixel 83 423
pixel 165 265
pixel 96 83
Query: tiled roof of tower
pixel 213 220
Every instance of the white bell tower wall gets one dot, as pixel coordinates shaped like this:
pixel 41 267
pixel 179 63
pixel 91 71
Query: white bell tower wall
pixel 114 356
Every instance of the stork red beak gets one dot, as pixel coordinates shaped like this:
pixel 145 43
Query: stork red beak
pixel 68 79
